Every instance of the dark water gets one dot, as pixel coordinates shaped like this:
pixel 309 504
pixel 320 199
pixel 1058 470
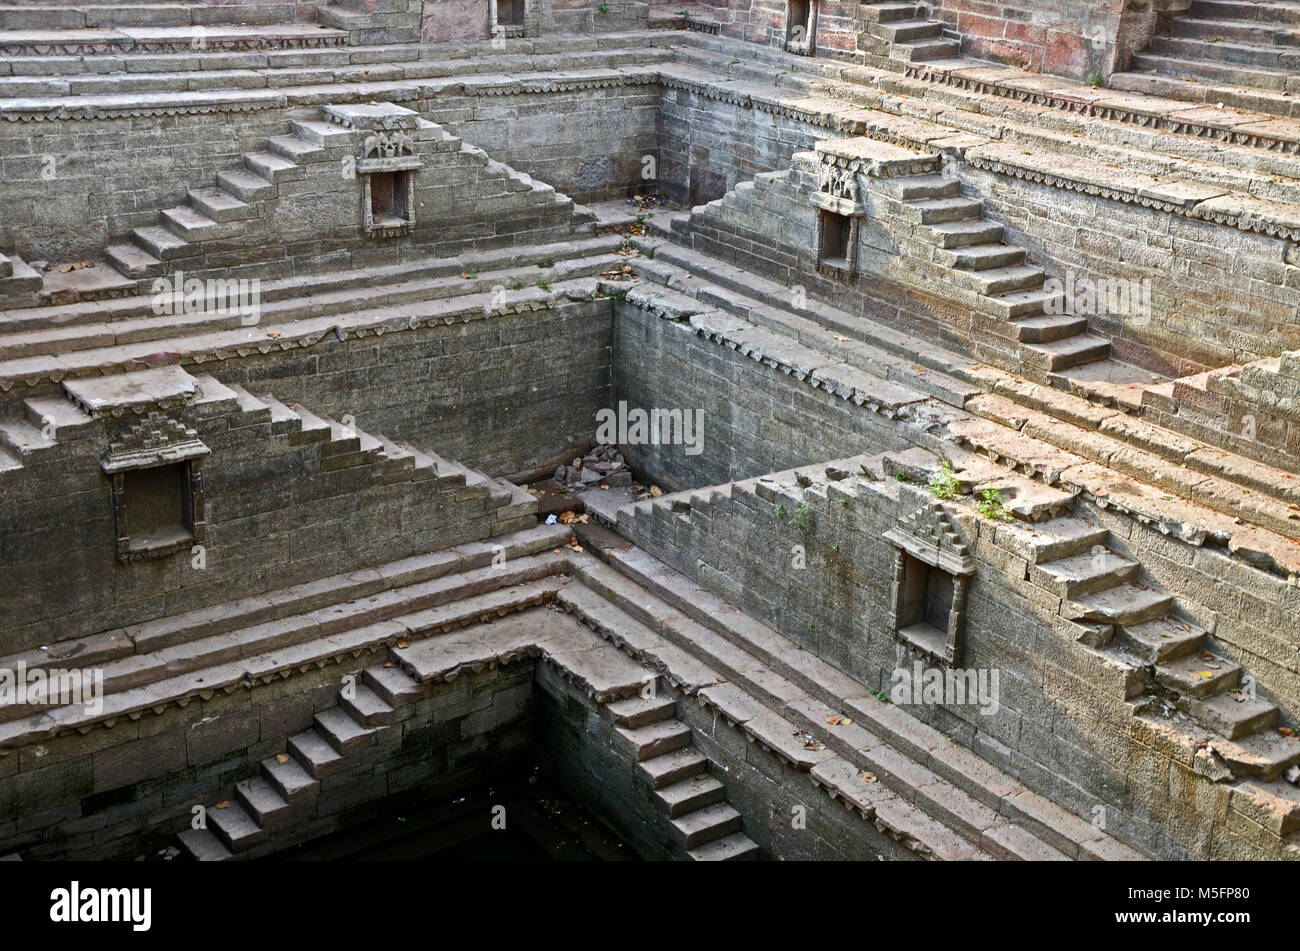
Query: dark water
pixel 542 824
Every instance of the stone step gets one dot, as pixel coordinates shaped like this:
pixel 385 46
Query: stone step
pixel 983 257
pixel 930 211
pixel 668 768
pixel 995 281
pixel 637 711
pixel 690 794
pixel 244 185
pixel 22 439
pixel 189 223
pixel 293 149
pixel 654 739
pixel 161 243
pixel 271 167
pixel 887 12
pixel 704 825
pixel 1055 355
pixel 1266 755
pixel 219 205
pixel 1197 677
pixel 1261 11
pixel 1255 77
pixel 963 234
pixel 736 847
pixel 342 732
pixel 1126 604
pixel 234 827
pixel 1163 638
pixel 202 845
pixel 1263 54
pixel 1232 714
pixel 367 707
pixel 393 685
pixel 1084 573
pixel 289 779
pixel 133 261
pixel 262 801
pixel 1019 305
pixel 915 187
pixel 1048 328
pixel 907 31
pixel 315 754
pixel 925 50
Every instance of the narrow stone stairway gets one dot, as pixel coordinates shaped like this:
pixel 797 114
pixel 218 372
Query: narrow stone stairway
pixel 1237 42
pixel 902 31
pixel 1013 300
pixel 698 818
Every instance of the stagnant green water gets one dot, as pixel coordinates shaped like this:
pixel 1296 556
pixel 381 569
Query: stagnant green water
pixel 541 824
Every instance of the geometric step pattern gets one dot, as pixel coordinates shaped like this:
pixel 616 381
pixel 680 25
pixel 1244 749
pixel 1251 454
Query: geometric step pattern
pixel 901 31
pixel 1012 301
pixel 1233 42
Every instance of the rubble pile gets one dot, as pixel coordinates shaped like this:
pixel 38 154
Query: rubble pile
pixel 604 463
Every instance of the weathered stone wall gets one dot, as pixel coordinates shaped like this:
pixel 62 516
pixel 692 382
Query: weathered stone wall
pixel 126 790
pixel 707 146
pixel 71 188
pixel 470 392
pixel 751 424
pixel 590 143
pixel 1062 726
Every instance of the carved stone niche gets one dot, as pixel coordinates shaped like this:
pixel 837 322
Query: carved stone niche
pixel 800 26
pixel 932 571
pixel 509 18
pixel 387 167
pixel 156 472
pixel 838 216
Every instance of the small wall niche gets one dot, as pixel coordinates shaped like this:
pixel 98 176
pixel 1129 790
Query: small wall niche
pixel 389 194
pixel 511 12
pixel 835 244
pixel 932 570
pixel 509 17
pixel 156 474
pixel 387 167
pixel 800 26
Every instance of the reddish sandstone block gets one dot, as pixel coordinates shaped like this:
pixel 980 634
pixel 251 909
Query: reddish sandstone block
pixel 1067 55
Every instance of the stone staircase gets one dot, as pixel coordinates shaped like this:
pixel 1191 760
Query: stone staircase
pixel 699 820
pixel 1011 296
pixel 1058 431
pixel 1233 42
pixel 938 799
pixel 694 812
pixel 900 32
pixel 1146 653
pixel 90 325
pixel 197 236
pixel 60 28
pixel 46 422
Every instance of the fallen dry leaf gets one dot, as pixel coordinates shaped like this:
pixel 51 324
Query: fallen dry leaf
pixel 224 804
pixel 868 777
